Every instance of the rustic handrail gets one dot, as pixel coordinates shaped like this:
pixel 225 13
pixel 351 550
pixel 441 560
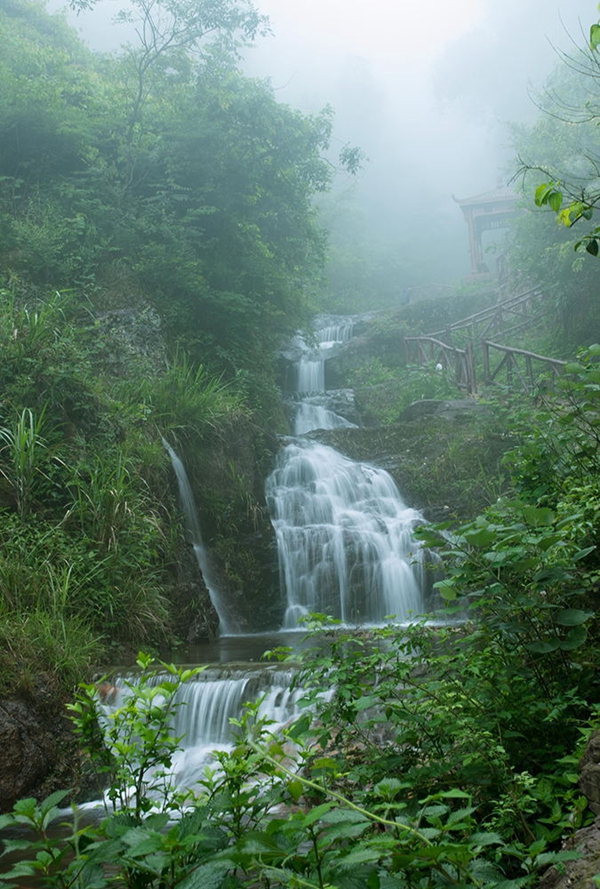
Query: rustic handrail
pixel 509 363
pixel 460 361
pixel 431 349
pixel 508 303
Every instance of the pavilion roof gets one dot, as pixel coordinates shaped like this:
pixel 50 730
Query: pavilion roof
pixel 496 195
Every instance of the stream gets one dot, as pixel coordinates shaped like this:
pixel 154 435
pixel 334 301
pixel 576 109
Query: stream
pixel 346 549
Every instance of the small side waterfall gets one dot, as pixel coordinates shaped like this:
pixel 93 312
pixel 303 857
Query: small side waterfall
pixel 190 513
pixel 344 535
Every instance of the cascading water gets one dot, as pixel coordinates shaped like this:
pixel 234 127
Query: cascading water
pixel 205 706
pixel 344 535
pixel 190 513
pixel 345 538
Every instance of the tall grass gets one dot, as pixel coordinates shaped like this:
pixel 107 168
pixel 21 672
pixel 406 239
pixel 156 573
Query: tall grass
pixel 62 649
pixel 187 398
pixel 23 452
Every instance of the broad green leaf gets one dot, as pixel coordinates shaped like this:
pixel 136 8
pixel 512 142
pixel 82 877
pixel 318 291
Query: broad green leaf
pixel 430 537
pixel 344 830
pixel 555 199
pixel 316 813
pixel 455 793
pixel 592 247
pixel 542 192
pixel 366 701
pixel 543 646
pixel 550 857
pixel 295 789
pixel 359 856
pixel 582 553
pixel 344 815
pixel 389 787
pixel 488 838
pixel 207 876
pixel 299 727
pixel 575 638
pixel 480 537
pixel 595 36
pixel 446 590
pixel 538 515
pixel 572 617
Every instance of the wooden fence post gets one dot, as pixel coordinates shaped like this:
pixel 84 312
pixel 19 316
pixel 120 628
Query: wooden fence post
pixel 485 351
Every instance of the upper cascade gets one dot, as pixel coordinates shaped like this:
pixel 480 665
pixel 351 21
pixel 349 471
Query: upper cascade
pixel 345 537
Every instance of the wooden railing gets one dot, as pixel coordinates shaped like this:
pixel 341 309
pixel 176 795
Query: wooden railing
pixel 522 310
pixel 458 362
pixel 521 369
pixel 519 366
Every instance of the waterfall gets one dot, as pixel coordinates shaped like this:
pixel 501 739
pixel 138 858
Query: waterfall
pixel 310 368
pixel 190 514
pixel 205 706
pixel 313 413
pixel 344 538
pixel 344 534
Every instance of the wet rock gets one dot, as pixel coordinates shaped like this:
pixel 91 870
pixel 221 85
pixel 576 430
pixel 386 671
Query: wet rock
pixel 454 409
pixel 589 778
pixel 39 754
pixel 577 874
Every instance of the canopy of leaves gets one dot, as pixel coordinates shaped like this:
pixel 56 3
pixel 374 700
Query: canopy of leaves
pixel 164 161
pixel 560 162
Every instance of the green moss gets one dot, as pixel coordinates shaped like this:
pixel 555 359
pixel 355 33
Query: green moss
pixel 447 468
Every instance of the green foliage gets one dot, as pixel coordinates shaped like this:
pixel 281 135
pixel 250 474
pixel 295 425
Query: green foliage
pixel 187 400
pixel 23 451
pixel 387 391
pixel 320 805
pixel 173 166
pixel 558 159
pixel 41 641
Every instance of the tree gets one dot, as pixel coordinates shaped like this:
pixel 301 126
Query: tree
pixel 176 29
pixel 558 159
pixel 573 193
pixel 167 161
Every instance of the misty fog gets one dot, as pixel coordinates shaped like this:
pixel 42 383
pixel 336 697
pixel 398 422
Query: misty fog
pixel 427 93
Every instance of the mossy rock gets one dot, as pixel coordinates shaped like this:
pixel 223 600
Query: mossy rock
pixel 446 464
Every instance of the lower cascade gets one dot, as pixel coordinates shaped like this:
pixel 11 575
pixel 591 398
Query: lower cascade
pixel 206 705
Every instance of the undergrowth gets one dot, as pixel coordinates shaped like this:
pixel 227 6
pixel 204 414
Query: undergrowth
pixel 429 756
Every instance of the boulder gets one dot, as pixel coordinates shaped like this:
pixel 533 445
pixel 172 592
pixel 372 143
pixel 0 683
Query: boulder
pixel 580 873
pixel 39 752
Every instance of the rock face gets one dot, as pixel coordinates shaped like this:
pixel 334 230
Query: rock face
pixel 453 409
pixel 589 778
pixel 39 753
pixel 445 456
pixel 579 874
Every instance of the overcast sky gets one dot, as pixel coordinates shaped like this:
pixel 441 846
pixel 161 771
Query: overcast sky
pixel 426 87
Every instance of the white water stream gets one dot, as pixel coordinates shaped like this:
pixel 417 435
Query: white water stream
pixel 205 706
pixel 346 549
pixel 344 534
pixel 190 514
